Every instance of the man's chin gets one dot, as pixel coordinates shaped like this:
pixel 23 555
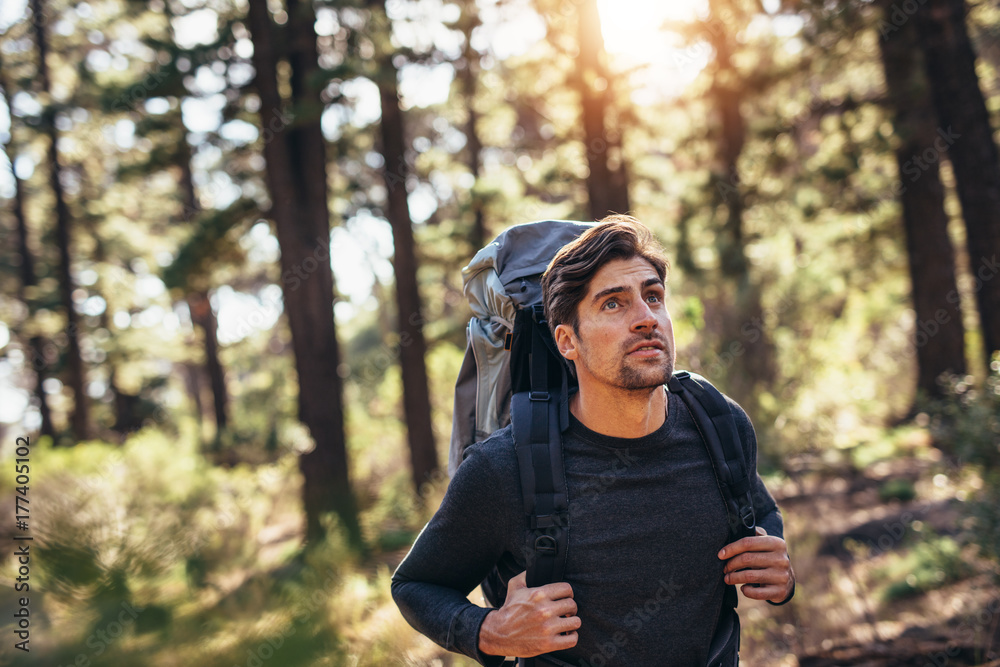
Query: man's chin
pixel 636 380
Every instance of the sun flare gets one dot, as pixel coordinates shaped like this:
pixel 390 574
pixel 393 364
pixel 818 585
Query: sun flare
pixel 634 27
pixel 634 36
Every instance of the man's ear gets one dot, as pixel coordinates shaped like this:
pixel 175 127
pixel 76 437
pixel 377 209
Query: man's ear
pixel 566 341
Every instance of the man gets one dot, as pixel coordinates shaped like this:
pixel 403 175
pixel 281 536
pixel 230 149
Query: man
pixel 647 559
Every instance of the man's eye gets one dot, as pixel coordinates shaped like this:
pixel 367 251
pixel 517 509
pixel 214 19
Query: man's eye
pixel 611 304
pixel 653 297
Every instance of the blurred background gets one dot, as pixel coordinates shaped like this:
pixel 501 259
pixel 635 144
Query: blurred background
pixel 231 242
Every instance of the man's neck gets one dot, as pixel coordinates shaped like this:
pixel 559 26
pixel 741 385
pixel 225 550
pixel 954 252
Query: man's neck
pixel 621 414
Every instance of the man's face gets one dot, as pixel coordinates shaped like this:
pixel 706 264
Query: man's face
pixel 626 338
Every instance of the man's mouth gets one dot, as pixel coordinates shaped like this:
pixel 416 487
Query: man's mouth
pixel 646 350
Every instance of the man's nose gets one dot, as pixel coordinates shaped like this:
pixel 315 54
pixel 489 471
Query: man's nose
pixel 645 318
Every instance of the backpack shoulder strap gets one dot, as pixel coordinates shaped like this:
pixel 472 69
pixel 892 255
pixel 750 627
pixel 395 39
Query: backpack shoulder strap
pixel 536 415
pixel 715 421
pixel 537 429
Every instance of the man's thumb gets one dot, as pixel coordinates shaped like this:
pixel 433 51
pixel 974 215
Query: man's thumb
pixel 517 583
pixel 761 532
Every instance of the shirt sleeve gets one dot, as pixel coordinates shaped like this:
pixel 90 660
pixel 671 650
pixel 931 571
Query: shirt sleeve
pixel 453 553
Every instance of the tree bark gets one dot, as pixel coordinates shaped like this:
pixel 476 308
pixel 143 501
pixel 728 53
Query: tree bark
pixel 966 134
pixel 36 343
pixel 607 188
pixel 204 317
pixel 199 304
pixel 939 338
pixel 80 417
pixel 412 347
pixel 474 146
pixel 296 177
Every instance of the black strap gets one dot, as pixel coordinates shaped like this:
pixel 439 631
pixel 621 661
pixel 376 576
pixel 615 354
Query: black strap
pixel 538 421
pixel 715 421
pixel 718 429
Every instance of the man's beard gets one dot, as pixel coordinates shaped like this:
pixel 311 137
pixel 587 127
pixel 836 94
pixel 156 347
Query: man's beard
pixel 645 375
pixel 634 379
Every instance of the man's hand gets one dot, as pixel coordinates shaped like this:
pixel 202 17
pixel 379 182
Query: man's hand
pixel 532 621
pixel 761 560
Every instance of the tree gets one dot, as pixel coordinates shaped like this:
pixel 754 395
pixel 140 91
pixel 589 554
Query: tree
pixel 468 72
pixel 940 334
pixel 412 346
pixel 965 130
pixel 295 157
pixel 744 335
pixel 75 371
pixel 607 184
pixel 36 342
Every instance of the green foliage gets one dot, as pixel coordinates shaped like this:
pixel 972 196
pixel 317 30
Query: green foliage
pixel 897 489
pixel 966 424
pixel 930 564
pixel 211 243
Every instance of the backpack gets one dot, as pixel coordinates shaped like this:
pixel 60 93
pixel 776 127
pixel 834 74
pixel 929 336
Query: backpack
pixel 513 373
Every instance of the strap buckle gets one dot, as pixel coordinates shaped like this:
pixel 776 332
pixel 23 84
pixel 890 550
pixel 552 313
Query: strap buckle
pixel 546 545
pixel 747 513
pixel 538 395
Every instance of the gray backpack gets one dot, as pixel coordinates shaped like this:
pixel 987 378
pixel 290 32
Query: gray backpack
pixel 502 280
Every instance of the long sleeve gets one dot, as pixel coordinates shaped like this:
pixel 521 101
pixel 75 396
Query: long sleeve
pixel 456 549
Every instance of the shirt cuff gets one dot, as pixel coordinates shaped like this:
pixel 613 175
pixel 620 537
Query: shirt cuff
pixel 475 653
pixel 790 594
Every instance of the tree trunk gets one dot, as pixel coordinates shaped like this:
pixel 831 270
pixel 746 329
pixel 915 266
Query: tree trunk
pixel 204 317
pixel 28 280
pixel 192 382
pixel 199 304
pixel 80 418
pixel 412 347
pixel 474 146
pixel 966 135
pixel 296 177
pixel 607 188
pixel 940 335
pixel 746 354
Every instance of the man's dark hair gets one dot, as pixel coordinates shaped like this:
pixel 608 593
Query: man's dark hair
pixel 567 278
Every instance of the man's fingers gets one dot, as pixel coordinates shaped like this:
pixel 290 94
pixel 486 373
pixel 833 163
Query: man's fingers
pixel 773 576
pixel 763 592
pixel 569 624
pixel 564 607
pixel 754 559
pixel 566 641
pixel 760 543
pixel 557 591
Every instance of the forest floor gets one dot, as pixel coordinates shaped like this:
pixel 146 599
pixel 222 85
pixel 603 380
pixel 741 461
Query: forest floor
pixel 888 571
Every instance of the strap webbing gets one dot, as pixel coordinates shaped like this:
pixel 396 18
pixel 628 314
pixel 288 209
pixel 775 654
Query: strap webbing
pixel 718 429
pixel 538 421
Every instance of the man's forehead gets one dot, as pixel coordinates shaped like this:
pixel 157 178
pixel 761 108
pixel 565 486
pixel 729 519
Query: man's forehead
pixel 623 272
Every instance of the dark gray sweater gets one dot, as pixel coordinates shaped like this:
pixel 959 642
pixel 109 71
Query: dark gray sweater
pixel 647 522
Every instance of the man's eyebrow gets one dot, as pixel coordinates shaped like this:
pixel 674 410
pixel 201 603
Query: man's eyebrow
pixel 606 292
pixel 621 289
